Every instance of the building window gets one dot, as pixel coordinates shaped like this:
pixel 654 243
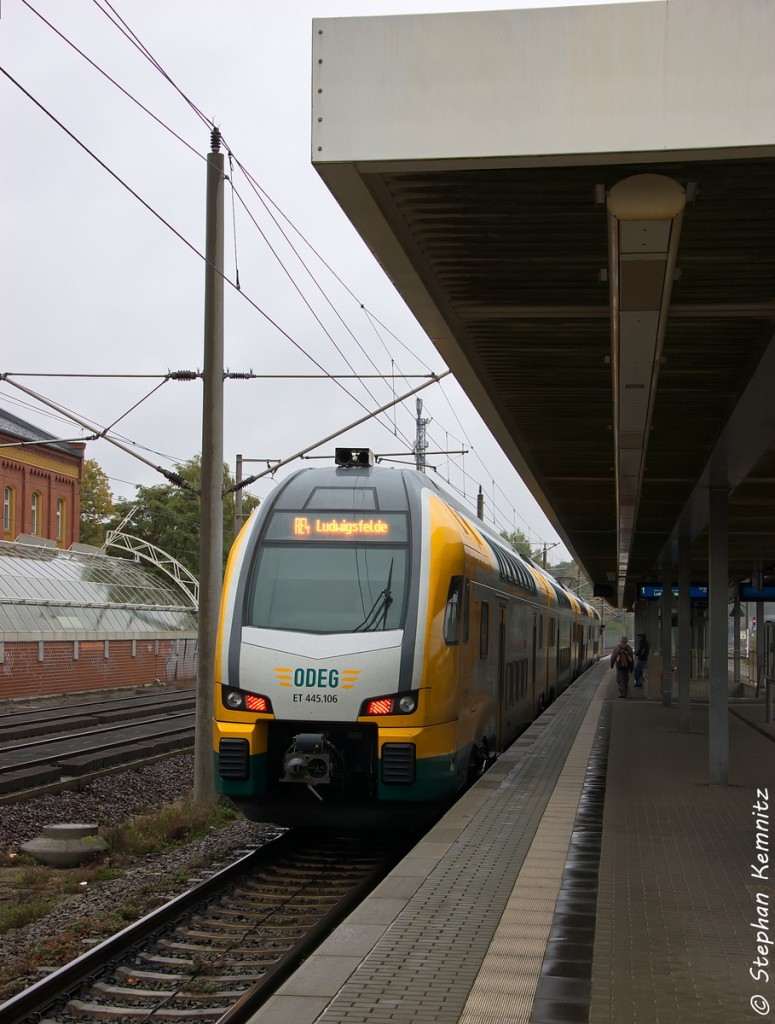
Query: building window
pixel 61 522
pixel 8 511
pixel 35 517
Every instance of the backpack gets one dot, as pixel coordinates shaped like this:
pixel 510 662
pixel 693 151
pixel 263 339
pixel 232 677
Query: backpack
pixel 623 658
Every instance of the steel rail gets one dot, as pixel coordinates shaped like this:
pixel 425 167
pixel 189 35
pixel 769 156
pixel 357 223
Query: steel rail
pixel 130 723
pixel 58 993
pixel 57 987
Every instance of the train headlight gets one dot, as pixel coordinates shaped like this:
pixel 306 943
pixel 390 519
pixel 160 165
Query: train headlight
pixel 233 699
pixel 407 704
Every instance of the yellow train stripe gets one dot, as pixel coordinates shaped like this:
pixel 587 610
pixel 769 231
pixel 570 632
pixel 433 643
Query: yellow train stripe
pixel 231 567
pixel 430 741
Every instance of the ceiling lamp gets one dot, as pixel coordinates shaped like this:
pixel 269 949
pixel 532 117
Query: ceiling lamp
pixel 644 226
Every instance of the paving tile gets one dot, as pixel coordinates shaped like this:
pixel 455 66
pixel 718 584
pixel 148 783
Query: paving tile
pixel 672 934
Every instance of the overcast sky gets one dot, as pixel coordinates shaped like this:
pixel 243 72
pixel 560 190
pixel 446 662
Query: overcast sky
pixel 92 282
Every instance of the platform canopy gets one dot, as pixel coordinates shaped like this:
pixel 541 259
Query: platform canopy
pixel 578 204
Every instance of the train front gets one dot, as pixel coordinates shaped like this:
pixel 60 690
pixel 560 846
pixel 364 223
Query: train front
pixel 317 714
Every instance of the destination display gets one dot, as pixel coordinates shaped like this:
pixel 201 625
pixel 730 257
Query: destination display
pixel 653 591
pixel 338 526
pixel 748 592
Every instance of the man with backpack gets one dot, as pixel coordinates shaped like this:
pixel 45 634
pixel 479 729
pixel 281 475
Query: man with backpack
pixel 623 660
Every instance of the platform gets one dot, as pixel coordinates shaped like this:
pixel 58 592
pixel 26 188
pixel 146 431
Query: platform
pixel 591 875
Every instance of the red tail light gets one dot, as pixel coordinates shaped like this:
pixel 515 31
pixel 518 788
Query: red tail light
pixel 384 706
pixel 254 703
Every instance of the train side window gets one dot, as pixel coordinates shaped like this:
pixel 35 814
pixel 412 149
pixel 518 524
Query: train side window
pixel 552 632
pixel 453 613
pixel 466 609
pixel 484 630
pixel 540 631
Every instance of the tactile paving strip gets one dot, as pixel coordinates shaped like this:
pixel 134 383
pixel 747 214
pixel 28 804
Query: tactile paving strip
pixel 506 985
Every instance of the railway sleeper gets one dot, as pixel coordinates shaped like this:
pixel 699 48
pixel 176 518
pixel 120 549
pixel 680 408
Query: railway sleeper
pixel 327 887
pixel 140 712
pixel 259 894
pixel 12 782
pixel 127 974
pixel 85 763
pixel 306 866
pixel 102 990
pixel 78 1008
pixel 249 921
pixel 324 886
pixel 236 908
pixel 206 951
pixel 285 892
pixel 251 933
pixel 258 961
pixel 32 730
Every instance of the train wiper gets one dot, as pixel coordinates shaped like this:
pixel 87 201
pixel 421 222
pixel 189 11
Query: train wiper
pixel 379 608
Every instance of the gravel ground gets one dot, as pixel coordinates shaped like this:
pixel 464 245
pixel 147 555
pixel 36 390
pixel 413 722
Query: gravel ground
pixel 107 802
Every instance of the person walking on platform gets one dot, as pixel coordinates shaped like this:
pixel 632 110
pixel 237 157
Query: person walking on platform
pixel 641 658
pixel 623 660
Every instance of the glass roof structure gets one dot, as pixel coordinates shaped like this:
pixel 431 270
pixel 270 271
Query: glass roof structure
pixel 46 590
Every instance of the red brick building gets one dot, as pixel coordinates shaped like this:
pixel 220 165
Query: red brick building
pixel 41 481
pixel 80 620
pixel 73 618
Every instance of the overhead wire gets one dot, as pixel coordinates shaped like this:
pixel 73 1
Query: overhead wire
pixel 178 235
pixel 136 405
pixel 299 291
pixel 66 415
pixel 373 319
pixel 113 82
pixel 124 28
pixel 127 32
pixel 130 34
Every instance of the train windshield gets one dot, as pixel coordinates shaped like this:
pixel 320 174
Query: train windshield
pixel 328 588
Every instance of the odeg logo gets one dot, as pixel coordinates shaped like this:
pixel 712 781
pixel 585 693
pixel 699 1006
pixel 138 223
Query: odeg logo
pixel 319 678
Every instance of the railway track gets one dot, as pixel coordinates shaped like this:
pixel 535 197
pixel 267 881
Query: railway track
pixel 217 952
pixel 47 749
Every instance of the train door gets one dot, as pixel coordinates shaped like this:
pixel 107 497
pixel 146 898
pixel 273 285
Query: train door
pixel 533 660
pixel 558 658
pixel 501 675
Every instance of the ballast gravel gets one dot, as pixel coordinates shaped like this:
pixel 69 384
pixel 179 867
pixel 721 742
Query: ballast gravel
pixel 106 802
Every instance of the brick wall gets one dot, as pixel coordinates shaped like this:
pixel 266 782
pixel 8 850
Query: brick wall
pixel 30 669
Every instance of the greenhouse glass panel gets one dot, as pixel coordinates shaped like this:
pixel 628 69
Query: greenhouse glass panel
pixel 44 590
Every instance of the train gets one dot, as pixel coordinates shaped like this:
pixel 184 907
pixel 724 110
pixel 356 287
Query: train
pixel 378 646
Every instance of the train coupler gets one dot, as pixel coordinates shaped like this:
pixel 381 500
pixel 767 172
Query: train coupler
pixel 309 760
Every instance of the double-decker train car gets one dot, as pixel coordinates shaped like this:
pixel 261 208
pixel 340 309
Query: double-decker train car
pixel 378 644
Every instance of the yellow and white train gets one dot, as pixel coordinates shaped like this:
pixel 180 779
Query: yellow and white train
pixel 377 646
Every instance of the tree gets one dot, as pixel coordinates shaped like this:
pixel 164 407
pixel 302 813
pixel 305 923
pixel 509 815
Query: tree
pixel 96 504
pixel 567 573
pixel 521 544
pixel 167 516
